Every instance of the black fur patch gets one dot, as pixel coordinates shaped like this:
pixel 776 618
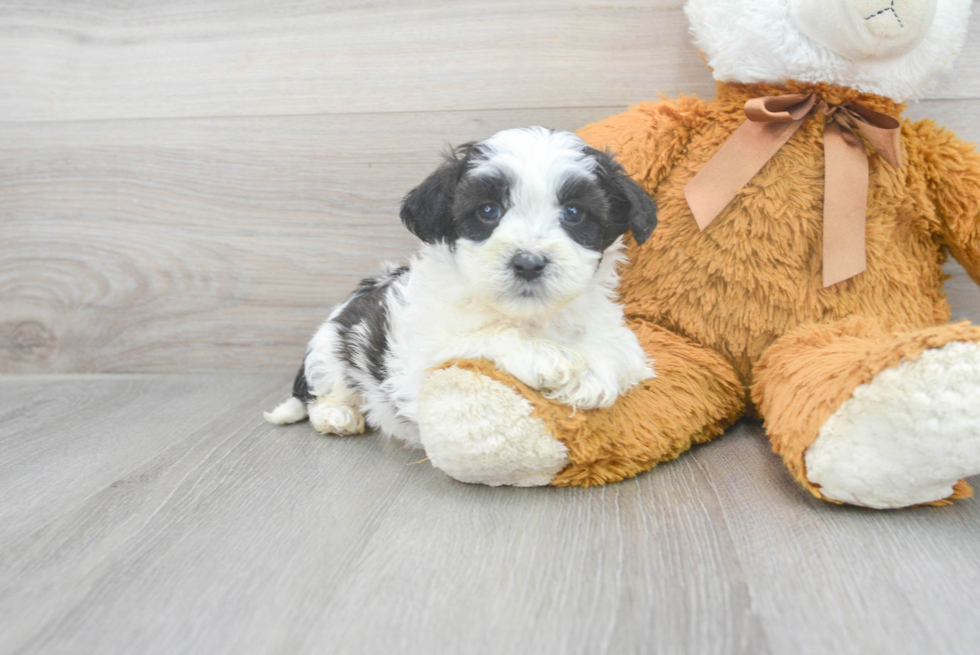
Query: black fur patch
pixel 427 209
pixel 301 388
pixel 594 231
pixel 367 308
pixel 366 305
pixel 472 193
pixel 442 208
pixel 630 208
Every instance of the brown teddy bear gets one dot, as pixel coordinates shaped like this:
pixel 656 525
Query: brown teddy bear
pixel 805 285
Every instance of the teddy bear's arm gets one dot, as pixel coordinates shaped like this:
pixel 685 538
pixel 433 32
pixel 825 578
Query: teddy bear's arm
pixel 649 138
pixel 952 170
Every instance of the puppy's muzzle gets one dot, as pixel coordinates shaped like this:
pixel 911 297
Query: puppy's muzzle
pixel 528 266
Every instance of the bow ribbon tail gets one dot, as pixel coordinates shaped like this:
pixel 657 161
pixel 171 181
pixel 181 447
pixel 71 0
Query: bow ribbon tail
pixel 845 204
pixel 771 121
pixel 734 166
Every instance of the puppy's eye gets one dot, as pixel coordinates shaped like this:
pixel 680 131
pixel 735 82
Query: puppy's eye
pixel 572 215
pixel 489 212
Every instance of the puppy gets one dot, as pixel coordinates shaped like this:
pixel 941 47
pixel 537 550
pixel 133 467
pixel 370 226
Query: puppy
pixel 522 239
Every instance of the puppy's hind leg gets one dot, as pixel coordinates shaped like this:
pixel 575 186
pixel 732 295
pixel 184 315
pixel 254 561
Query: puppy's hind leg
pixel 332 415
pixel 292 410
pixel 333 406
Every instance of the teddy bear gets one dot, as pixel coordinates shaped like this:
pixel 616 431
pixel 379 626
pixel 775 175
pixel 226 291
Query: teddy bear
pixel 795 275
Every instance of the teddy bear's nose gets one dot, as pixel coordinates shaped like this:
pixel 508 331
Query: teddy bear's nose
pixel 885 22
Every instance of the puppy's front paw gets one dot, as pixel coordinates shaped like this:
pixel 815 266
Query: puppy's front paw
pixel 585 391
pixel 589 390
pixel 556 367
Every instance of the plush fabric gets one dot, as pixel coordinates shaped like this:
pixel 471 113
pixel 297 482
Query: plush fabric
pixel 754 274
pixel 694 397
pixel 761 41
pixel 736 319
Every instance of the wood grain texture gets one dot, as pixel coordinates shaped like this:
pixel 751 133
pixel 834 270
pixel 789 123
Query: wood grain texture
pixel 205 244
pixel 199 244
pixel 813 569
pixel 187 186
pixel 195 245
pixel 65 61
pixel 70 61
pixel 229 535
pixel 75 434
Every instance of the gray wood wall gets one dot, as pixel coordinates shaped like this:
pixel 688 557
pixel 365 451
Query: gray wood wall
pixel 188 185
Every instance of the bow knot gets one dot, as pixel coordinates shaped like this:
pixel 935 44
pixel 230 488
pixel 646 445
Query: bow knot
pixel 771 121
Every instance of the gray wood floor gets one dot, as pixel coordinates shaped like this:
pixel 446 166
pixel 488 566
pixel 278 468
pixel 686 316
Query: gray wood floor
pixel 186 186
pixel 159 514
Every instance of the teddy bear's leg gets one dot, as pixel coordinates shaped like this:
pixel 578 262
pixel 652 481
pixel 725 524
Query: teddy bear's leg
pixel 481 425
pixel 870 417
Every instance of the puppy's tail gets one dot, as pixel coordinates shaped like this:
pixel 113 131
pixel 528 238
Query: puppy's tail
pixel 288 411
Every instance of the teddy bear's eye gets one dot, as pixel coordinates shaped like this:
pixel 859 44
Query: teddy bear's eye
pixel 489 212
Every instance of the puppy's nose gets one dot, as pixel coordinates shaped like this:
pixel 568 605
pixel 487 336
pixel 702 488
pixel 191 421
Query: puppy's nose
pixel 528 266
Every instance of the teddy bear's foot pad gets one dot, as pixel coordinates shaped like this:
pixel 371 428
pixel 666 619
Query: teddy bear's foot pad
pixel 481 431
pixel 907 436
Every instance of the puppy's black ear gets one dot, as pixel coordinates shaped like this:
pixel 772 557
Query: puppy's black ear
pixel 642 212
pixel 427 209
pixel 629 205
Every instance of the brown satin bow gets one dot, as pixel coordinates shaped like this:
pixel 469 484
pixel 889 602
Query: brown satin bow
pixel 771 122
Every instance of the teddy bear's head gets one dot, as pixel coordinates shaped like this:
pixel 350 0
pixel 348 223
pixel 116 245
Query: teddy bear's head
pixel 889 47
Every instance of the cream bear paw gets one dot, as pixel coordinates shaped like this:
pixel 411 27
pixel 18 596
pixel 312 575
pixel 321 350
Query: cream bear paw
pixel 907 436
pixel 478 430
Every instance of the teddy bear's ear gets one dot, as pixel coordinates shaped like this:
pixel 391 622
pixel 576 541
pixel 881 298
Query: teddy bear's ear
pixel 427 209
pixel 629 205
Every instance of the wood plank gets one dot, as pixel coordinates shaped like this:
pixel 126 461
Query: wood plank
pixel 85 435
pixel 64 61
pixel 237 507
pixel 207 244
pixel 830 579
pixel 634 567
pixel 236 536
pixel 962 293
pixel 195 245
pixel 247 538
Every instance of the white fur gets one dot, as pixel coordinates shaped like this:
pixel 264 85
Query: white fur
pixel 331 417
pixel 756 41
pixel 578 351
pixel 864 29
pixel 478 430
pixel 288 411
pixel 538 158
pixel 537 162
pixel 563 334
pixel 905 437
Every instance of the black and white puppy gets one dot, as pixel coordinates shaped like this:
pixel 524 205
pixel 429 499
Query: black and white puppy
pixel 522 239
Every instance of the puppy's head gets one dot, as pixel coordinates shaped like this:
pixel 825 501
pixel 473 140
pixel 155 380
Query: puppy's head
pixel 528 214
